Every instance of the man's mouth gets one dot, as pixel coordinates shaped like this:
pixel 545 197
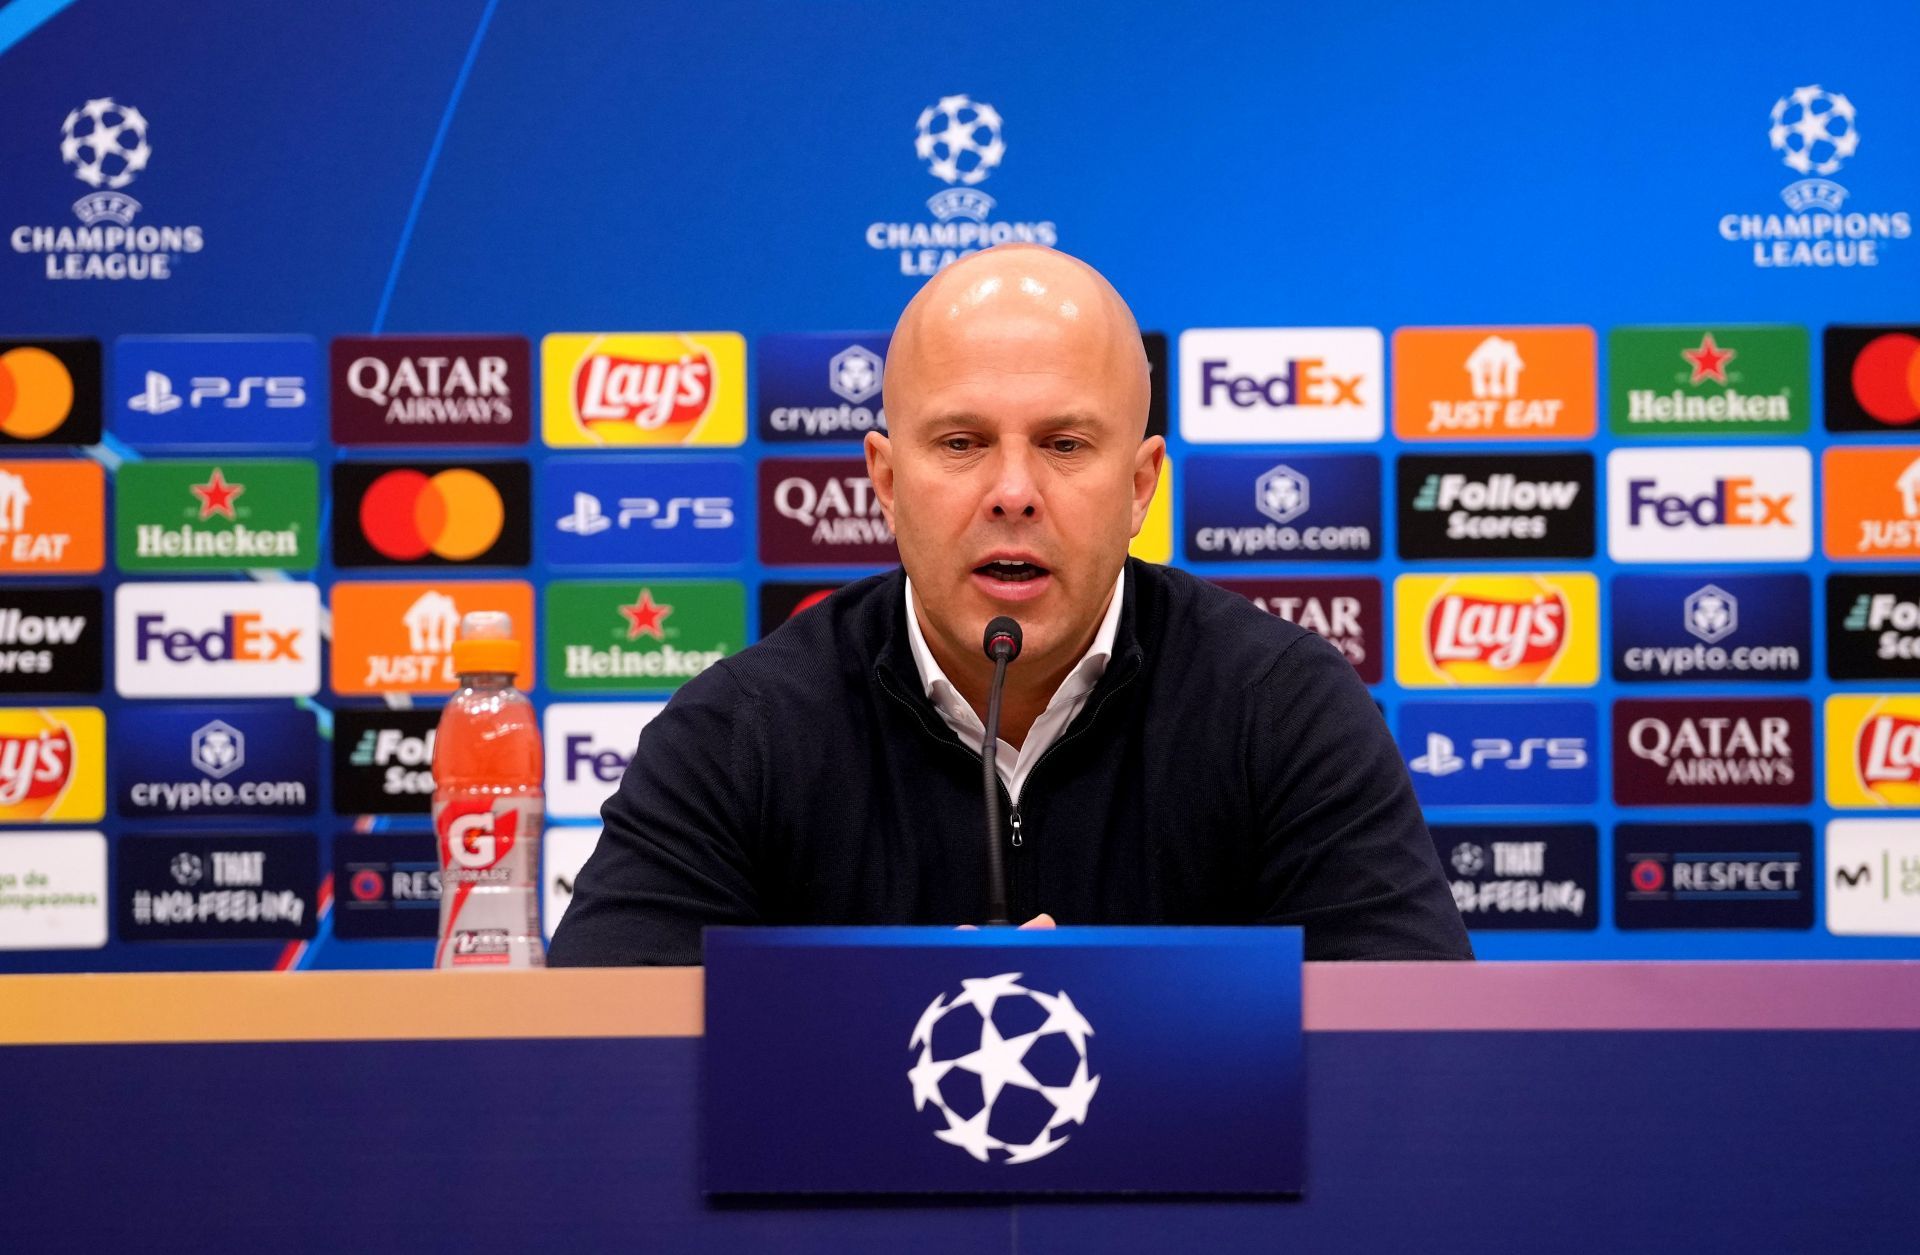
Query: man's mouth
pixel 1011 572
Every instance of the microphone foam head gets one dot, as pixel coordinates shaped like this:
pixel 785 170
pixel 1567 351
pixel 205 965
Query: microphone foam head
pixel 1003 633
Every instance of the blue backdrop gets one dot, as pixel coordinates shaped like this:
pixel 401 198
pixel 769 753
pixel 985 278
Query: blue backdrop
pixel 512 167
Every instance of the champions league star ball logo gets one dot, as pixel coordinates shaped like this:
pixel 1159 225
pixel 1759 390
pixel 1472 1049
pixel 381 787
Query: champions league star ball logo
pixel 960 140
pixel 105 143
pixel 1006 1066
pixel 1813 130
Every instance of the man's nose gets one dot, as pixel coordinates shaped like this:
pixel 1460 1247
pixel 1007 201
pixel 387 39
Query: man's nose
pixel 1015 492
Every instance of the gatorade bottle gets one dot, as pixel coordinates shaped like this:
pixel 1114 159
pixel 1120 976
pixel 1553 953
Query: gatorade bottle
pixel 488 807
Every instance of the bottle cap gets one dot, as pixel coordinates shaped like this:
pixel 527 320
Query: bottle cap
pixel 486 644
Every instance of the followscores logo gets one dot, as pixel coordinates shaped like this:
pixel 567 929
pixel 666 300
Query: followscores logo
pixel 1727 505
pixel 229 639
pixel 1282 385
pixel 51 639
pixel 1873 626
pixel 1496 507
pixel 383 761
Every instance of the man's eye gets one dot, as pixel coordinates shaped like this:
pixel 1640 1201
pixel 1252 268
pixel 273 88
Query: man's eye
pixel 1065 445
pixel 958 444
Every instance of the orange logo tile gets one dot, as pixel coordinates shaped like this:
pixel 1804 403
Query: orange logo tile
pixel 53 517
pixel 1872 502
pixel 1494 383
pixel 398 638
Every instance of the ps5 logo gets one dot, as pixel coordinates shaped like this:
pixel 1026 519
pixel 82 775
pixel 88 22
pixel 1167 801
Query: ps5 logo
pixel 589 517
pixel 1559 753
pixel 276 392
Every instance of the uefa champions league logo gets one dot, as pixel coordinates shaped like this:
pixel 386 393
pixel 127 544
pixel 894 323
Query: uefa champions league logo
pixel 1006 1066
pixel 1813 130
pixel 959 139
pixel 105 143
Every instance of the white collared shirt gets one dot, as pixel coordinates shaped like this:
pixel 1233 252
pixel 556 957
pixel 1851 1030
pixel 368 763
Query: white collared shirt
pixel 1015 764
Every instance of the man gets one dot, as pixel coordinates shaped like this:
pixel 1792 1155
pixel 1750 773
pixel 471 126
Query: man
pixel 1169 753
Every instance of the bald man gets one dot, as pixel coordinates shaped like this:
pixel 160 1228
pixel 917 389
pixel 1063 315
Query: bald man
pixel 1167 752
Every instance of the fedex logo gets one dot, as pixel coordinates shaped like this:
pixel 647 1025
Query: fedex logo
pixel 1303 382
pixel 588 746
pixel 1680 505
pixel 239 638
pixel 1731 503
pixel 217 639
pixel 1261 385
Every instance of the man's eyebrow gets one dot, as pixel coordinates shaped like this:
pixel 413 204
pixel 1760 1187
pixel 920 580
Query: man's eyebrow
pixel 1056 422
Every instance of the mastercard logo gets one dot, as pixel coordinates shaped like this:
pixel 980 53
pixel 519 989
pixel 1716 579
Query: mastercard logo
pixel 36 393
pixel 426 514
pixel 1885 378
pixel 455 514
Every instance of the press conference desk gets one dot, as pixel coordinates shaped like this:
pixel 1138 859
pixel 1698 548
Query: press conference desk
pixel 1522 1107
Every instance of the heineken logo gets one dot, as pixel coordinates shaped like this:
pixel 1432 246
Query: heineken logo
pixel 226 516
pixel 1717 380
pixel 644 637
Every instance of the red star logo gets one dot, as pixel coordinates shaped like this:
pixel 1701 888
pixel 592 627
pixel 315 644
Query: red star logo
pixel 1709 361
pixel 644 618
pixel 216 495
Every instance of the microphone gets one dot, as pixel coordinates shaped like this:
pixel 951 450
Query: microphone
pixel 1003 646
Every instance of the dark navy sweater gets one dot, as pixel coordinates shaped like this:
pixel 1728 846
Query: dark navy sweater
pixel 1228 768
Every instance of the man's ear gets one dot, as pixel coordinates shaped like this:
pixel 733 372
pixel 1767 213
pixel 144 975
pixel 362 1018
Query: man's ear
pixel 1146 476
pixel 879 451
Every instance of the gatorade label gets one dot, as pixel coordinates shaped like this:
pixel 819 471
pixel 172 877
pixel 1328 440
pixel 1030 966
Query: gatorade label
pixel 489 859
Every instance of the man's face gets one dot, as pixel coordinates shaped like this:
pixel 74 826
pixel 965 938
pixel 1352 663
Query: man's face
pixel 1014 475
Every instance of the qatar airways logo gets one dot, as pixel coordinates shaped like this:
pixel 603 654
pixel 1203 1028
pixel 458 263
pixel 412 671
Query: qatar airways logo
pixel 821 510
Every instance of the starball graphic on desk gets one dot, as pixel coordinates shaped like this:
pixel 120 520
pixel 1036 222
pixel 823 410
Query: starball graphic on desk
pixel 1613 501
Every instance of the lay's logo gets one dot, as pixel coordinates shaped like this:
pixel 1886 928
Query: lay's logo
pixel 1497 631
pixel 1873 750
pixel 51 765
pixel 644 389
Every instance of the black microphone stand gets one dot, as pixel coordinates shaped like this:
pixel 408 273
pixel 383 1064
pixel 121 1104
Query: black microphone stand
pixel 1003 646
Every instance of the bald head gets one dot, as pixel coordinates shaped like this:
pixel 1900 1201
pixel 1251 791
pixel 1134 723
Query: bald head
pixel 1042 309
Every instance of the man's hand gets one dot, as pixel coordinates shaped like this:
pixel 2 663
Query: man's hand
pixel 1042 920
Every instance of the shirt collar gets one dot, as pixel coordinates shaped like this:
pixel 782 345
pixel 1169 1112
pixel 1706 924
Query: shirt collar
pixel 1089 669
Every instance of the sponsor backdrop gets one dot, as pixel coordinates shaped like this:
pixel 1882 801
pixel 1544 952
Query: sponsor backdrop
pixel 1607 484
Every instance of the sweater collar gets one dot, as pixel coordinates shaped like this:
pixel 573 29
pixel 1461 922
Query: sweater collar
pixel 895 659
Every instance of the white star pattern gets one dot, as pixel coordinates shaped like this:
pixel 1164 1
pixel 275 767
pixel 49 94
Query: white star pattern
pixel 1000 1063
